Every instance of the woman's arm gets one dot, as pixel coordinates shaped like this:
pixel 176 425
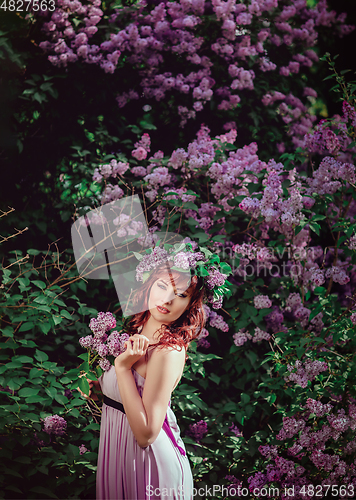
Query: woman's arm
pixel 146 415
pixel 164 370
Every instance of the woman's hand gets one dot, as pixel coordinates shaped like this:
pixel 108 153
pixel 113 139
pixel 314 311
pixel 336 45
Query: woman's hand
pixel 136 347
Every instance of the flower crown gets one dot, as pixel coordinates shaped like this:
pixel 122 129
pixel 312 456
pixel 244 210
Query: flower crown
pixel 203 264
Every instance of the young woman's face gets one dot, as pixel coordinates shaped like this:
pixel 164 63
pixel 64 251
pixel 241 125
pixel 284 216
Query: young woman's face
pixel 167 302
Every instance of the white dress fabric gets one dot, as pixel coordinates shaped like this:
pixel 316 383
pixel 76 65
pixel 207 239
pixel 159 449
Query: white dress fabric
pixel 128 472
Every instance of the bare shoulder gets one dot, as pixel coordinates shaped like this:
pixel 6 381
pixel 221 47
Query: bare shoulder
pixel 169 354
pixel 166 365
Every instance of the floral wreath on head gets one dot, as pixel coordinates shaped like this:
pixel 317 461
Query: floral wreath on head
pixel 203 263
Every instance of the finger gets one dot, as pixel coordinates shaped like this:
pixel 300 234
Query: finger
pixel 128 346
pixel 144 345
pixel 139 346
pixel 136 345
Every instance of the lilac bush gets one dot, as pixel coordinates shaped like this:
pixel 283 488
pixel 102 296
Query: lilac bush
pixel 294 297
pixel 226 56
pixel 322 438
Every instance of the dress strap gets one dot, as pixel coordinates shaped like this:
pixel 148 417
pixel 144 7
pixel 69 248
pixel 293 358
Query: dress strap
pixel 170 434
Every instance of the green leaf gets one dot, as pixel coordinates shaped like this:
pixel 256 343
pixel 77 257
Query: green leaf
pixel 138 256
pixel 215 378
pixel 56 319
pixel 14 364
pixel 66 314
pixel 245 398
pixel 41 356
pixel 61 399
pixel 315 312
pixel 40 284
pixel 32 251
pixel 190 205
pixel 14 488
pixel 6 470
pixel 84 385
pixel 43 491
pixel 42 299
pixel 300 352
pixel 147 125
pixel 44 308
pixel 341 240
pixel 318 217
pixel 24 359
pixel 28 391
pixel 202 237
pixel 23 460
pixel 84 356
pixel 219 237
pixel 23 281
pixel 8 331
pixel 26 326
pixel 314 226
pixel 51 392
pixel 44 327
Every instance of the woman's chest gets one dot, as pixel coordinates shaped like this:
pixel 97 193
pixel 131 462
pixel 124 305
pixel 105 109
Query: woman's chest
pixel 140 366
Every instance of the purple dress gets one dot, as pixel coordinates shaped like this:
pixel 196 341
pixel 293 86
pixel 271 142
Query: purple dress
pixel 128 472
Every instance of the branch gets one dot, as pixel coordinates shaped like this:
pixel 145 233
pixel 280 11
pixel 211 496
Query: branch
pixel 19 231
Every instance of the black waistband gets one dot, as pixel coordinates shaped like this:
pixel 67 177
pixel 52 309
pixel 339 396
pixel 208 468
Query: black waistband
pixel 114 404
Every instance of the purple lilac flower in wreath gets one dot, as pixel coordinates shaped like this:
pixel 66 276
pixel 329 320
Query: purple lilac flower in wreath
pixel 181 257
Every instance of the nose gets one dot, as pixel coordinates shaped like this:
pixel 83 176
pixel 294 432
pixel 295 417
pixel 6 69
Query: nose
pixel 168 297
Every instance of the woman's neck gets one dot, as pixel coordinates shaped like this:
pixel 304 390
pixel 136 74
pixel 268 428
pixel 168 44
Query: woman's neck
pixel 151 330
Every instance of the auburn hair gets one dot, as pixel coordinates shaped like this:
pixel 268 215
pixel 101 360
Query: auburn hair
pixel 187 327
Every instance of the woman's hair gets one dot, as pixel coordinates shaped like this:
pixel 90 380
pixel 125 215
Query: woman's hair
pixel 188 326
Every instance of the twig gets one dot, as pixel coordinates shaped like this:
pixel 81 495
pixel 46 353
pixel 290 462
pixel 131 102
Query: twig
pixel 3 214
pixel 19 260
pixel 19 231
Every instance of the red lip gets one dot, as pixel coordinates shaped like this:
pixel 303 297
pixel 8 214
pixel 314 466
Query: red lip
pixel 162 310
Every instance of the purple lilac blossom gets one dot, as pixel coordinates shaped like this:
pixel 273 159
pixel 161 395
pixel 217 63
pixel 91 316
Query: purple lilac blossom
pixel 217 321
pixel 260 335
pixel 353 318
pixel 102 343
pixel 317 407
pixel 82 449
pixel 305 373
pixel 151 261
pixel 54 425
pixel 241 337
pixel 262 302
pixel 235 430
pixel 198 430
pixel 177 29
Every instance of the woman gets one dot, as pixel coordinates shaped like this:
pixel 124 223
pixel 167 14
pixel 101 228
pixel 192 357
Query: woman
pixel 141 454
